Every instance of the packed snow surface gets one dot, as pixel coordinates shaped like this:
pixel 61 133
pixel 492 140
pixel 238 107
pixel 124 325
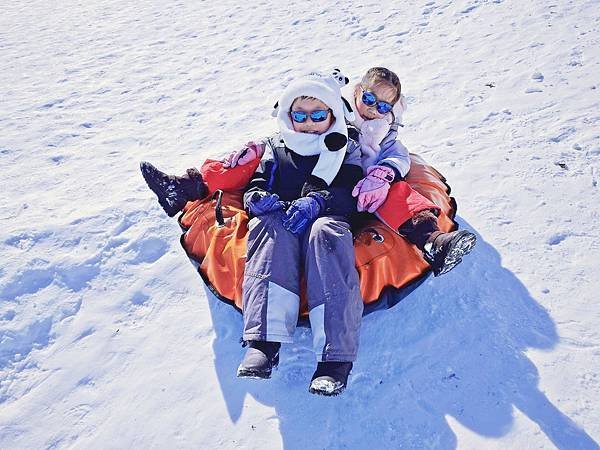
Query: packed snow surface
pixel 108 338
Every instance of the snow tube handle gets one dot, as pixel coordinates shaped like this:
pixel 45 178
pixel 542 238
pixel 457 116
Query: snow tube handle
pixel 218 194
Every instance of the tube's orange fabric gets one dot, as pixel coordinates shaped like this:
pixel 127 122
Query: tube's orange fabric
pixel 383 257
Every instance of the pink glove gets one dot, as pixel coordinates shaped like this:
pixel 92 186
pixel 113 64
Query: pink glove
pixel 251 151
pixel 372 190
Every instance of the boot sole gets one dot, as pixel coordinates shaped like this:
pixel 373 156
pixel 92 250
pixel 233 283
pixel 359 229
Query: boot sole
pixel 326 389
pixel 245 372
pixel 462 245
pixel 253 374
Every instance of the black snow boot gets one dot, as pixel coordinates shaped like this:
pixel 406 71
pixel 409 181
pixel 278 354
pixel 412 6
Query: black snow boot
pixel 443 251
pixel 260 359
pixel 173 192
pixel 330 378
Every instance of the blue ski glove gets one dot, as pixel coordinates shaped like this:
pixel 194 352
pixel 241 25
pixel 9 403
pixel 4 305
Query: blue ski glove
pixel 302 212
pixel 259 203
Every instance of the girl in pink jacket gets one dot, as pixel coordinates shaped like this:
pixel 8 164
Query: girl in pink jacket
pixel 378 103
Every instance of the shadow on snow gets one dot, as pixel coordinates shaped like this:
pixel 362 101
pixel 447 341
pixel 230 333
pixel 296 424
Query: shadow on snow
pixel 454 347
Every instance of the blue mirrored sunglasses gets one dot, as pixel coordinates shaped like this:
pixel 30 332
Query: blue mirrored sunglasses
pixel 318 115
pixel 369 99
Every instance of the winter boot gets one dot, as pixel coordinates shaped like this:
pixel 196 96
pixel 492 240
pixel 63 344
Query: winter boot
pixel 173 192
pixel 443 251
pixel 330 378
pixel 261 357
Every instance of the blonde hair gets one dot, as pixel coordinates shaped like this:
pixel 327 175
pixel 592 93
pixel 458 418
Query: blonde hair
pixel 376 75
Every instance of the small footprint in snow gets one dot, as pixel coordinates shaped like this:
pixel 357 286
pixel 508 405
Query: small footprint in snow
pixel 468 9
pixel 16 347
pixel 26 240
pixel 77 277
pixel 537 76
pixel 557 238
pixel 148 250
pixel 53 103
pixel 85 333
pixel 27 282
pixel 30 281
pixel 8 315
pixel 139 298
pixel 563 135
pixel 576 58
pixel 473 100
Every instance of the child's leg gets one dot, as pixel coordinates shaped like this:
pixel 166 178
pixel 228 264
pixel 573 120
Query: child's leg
pixel 334 302
pixel 415 217
pixel 403 203
pixel 333 293
pixel 419 228
pixel 173 192
pixel 443 251
pixel 271 289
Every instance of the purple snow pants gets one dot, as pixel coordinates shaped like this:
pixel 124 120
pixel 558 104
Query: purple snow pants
pixel 276 258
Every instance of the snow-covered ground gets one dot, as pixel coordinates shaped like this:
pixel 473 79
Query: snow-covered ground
pixel 108 338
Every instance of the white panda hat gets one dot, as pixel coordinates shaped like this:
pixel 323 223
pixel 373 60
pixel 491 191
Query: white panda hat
pixel 331 145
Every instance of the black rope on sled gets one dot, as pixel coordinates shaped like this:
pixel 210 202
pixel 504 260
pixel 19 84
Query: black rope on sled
pixel 218 209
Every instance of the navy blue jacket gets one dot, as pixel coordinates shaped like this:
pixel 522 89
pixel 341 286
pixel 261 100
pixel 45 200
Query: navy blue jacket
pixel 288 174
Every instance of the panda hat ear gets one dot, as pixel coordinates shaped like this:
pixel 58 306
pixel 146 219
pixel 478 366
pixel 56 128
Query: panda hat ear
pixel 343 80
pixel 340 77
pixel 275 109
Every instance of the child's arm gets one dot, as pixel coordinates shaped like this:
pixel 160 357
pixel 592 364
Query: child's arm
pixel 395 155
pixel 317 199
pixel 389 163
pixel 260 185
pixel 251 151
pixel 373 189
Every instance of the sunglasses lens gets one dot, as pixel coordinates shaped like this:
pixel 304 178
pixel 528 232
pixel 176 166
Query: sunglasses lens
pixel 319 115
pixel 384 107
pixel 299 116
pixel 368 98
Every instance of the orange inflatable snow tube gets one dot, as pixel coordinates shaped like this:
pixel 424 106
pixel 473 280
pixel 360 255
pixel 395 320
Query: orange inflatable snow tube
pixel 215 235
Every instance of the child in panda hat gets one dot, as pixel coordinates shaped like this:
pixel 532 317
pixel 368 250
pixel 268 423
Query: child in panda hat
pixel 299 201
pixel 325 135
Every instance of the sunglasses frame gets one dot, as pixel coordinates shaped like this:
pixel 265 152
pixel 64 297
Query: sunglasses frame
pixel 310 115
pixel 377 103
